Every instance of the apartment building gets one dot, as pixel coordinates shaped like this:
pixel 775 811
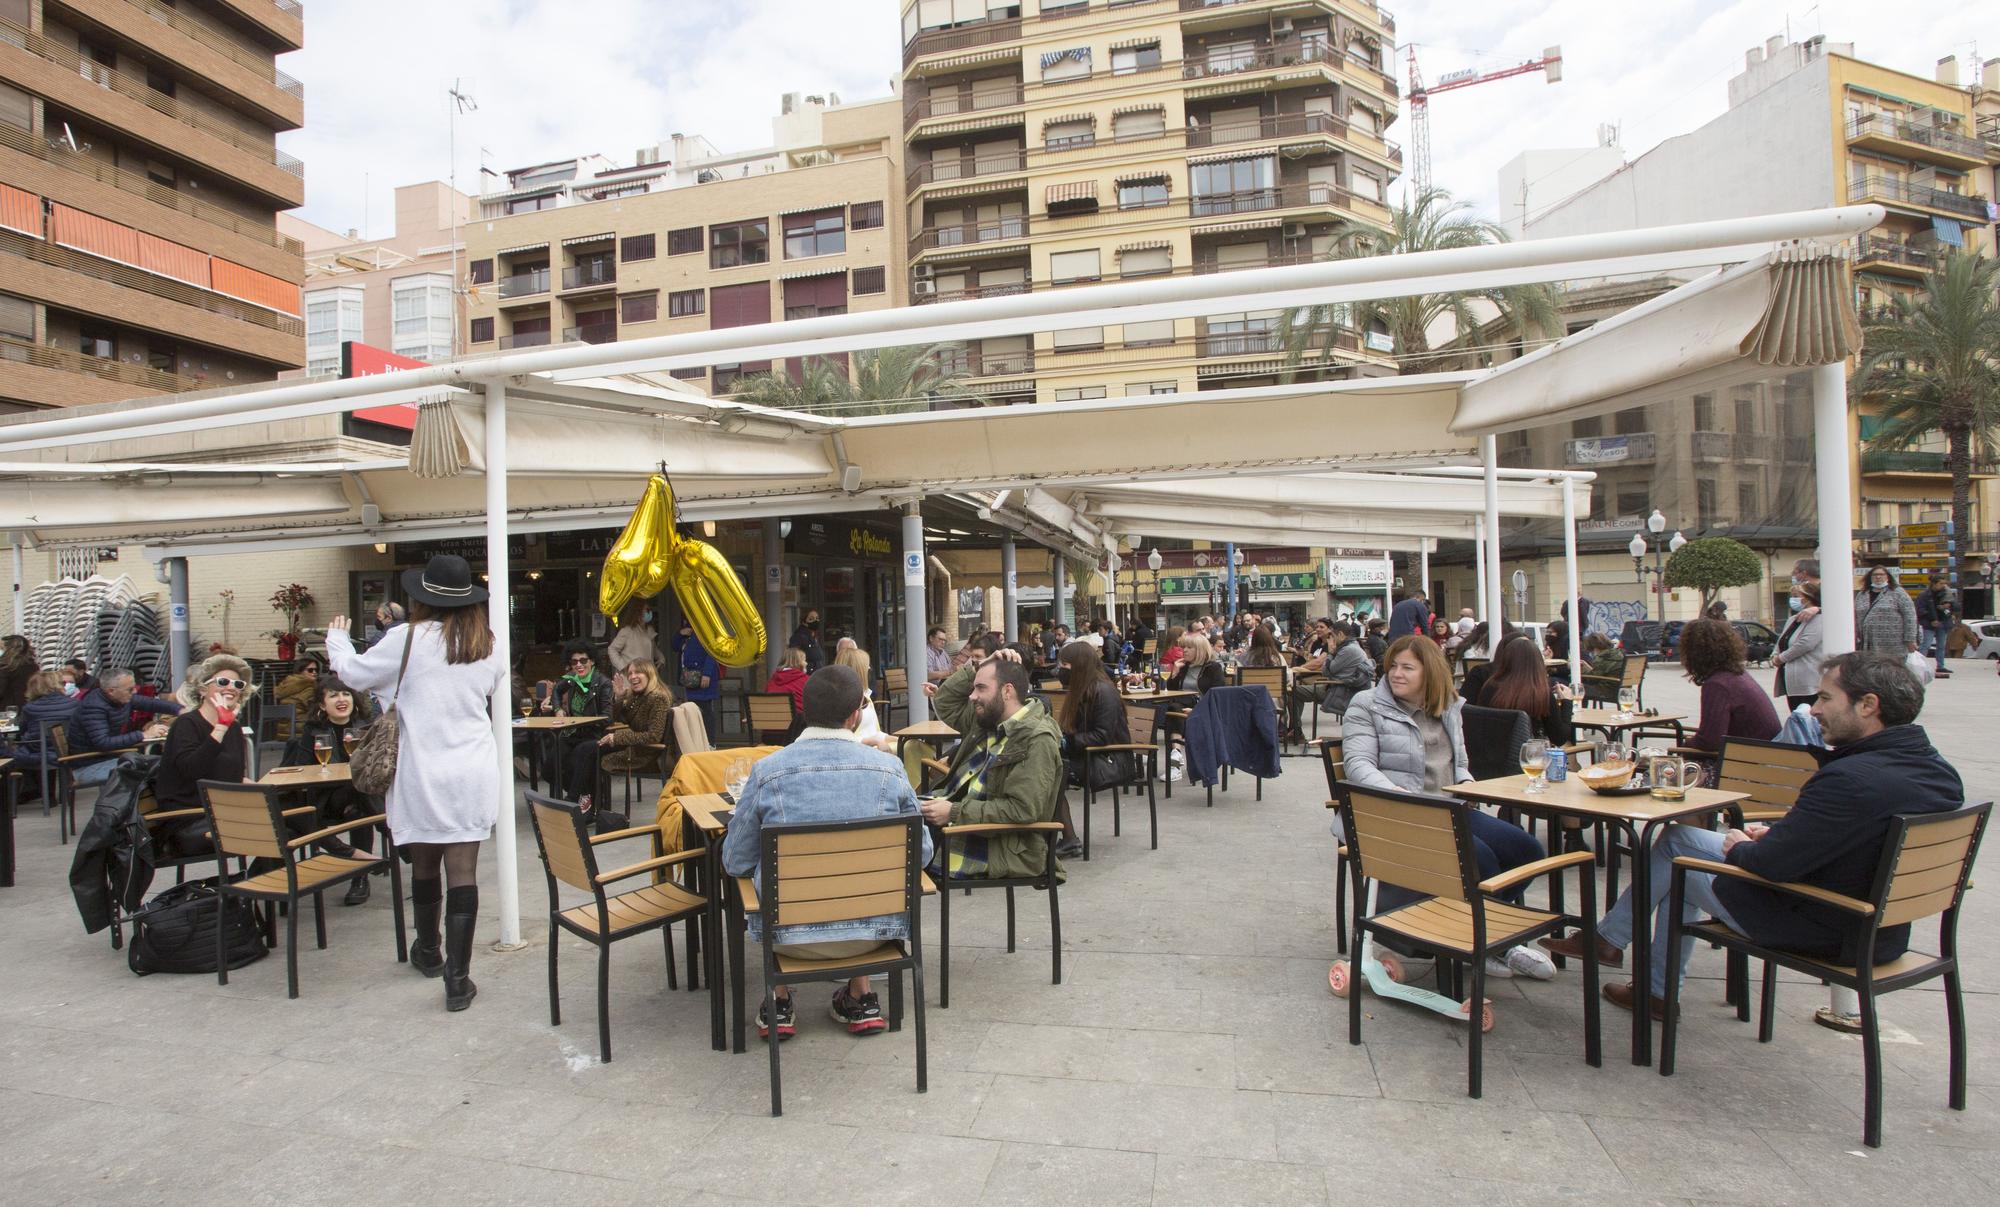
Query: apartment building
pixel 1061 142
pixel 694 238
pixel 139 186
pixel 393 293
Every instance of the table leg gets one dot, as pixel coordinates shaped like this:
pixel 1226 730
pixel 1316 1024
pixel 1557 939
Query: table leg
pixel 697 874
pixel 736 975
pixel 13 799
pixel 1642 943
pixel 712 923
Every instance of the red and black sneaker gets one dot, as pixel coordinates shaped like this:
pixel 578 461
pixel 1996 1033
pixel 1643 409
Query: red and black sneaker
pixel 860 1015
pixel 787 1021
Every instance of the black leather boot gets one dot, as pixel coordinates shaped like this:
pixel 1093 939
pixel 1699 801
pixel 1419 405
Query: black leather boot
pixel 427 903
pixel 460 919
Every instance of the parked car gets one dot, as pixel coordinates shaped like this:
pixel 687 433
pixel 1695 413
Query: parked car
pixel 1758 638
pixel 1987 643
pixel 1640 638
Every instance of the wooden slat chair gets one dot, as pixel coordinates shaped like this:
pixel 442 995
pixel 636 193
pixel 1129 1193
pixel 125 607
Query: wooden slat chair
pixel 66 766
pixel 1424 844
pixel 1926 861
pixel 1045 880
pixel 248 821
pixel 1344 867
pixel 895 681
pixel 1149 647
pixel 1771 772
pixel 840 871
pixel 569 855
pixel 769 713
pixel 663 758
pixel 1271 679
pixel 1603 689
pixel 1145 763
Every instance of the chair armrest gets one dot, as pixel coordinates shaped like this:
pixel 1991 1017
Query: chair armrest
pixel 295 810
pixel 330 831
pixel 170 815
pixel 1025 827
pixel 1540 867
pixel 746 892
pixel 647 865
pixel 92 756
pixel 1693 752
pixel 925 885
pixel 1141 746
pixel 1180 714
pixel 615 835
pixel 1852 905
pixel 938 765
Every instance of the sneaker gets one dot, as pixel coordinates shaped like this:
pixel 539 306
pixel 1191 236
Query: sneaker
pixel 861 1016
pixel 1498 968
pixel 1531 962
pixel 787 1021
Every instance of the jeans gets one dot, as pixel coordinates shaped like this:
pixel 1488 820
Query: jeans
pixel 1940 638
pixel 94 773
pixel 1502 846
pixel 1616 926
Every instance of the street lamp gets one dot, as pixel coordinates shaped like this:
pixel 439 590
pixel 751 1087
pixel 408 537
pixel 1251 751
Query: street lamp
pixel 1656 524
pixel 1153 562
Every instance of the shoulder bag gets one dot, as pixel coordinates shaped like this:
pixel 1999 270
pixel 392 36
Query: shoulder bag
pixel 373 763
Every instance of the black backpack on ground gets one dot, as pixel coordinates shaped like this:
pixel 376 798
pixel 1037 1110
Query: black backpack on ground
pixel 176 931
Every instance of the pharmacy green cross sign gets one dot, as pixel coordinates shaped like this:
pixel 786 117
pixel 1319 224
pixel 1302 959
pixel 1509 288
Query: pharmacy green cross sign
pixel 1202 584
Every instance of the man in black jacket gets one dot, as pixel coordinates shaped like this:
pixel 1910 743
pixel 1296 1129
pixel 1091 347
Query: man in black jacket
pixel 1937 613
pixel 806 637
pixel 108 720
pixel 1881 764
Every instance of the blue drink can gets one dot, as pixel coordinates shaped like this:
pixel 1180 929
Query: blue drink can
pixel 1558 766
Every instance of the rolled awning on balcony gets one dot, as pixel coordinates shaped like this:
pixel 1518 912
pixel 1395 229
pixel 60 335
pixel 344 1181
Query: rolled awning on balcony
pixel 986 184
pixel 984 121
pixel 515 251
pixel 1129 43
pixel 1004 54
pixel 576 239
pixel 1155 107
pixel 803 273
pixel 1070 117
pixel 1071 193
pixel 1147 177
pixel 1258 153
pixel 1145 245
pixel 1252 224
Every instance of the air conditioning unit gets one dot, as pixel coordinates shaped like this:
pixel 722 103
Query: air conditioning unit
pixel 1295 230
pixel 923 286
pixel 1281 25
pixel 924 272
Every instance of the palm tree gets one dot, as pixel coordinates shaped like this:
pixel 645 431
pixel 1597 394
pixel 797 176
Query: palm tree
pixel 1428 221
pixel 1931 363
pixel 885 381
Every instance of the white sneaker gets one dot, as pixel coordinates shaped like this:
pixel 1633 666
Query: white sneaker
pixel 1531 962
pixel 1498 969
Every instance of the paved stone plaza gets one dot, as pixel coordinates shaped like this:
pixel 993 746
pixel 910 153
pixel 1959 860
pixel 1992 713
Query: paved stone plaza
pixel 1192 1055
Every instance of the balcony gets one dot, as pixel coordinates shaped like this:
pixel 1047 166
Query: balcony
pixel 253 59
pixel 1888 132
pixel 590 333
pixel 525 339
pixel 920 296
pixel 1917 462
pixel 1900 192
pixel 525 284
pixel 1636 448
pixel 1709 446
pixel 591 274
pixel 1237 343
pixel 984 33
pixel 63 360
pixel 1200 65
pixel 1277 197
pixel 973 362
pixel 957 104
pixel 1205 267
pixel 1894 255
pixel 1755 446
pixel 1283 125
pixel 939 171
pixel 970 234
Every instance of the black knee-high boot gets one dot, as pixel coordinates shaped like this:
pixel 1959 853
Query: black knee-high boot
pixel 427 900
pixel 460 916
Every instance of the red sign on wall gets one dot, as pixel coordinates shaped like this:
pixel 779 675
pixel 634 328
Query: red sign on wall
pixel 362 360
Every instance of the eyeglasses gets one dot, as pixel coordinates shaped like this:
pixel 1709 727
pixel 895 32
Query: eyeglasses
pixel 232 684
pixel 579 662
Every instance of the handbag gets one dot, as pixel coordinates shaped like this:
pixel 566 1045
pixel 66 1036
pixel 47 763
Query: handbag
pixel 373 763
pixel 691 678
pixel 176 931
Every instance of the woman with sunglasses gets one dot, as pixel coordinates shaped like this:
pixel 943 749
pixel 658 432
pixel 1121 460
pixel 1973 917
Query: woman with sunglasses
pixel 335 716
pixel 205 742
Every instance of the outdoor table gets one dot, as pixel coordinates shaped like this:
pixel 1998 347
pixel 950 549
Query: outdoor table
pixel 931 730
pixel 310 776
pixel 1608 720
pixel 543 727
pixel 1641 816
pixel 7 830
pixel 705 817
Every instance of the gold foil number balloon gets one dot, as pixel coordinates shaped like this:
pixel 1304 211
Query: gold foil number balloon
pixel 650 555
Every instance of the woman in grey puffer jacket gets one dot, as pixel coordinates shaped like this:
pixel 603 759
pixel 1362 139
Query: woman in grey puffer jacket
pixel 1885 619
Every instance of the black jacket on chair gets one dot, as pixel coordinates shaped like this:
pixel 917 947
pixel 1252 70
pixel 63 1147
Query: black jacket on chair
pixel 1832 839
pixel 113 865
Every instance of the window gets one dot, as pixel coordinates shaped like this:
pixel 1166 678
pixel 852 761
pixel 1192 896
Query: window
pixel 726 376
pixel 1140 389
pixel 1704 412
pixel 1145 261
pixel 635 247
pixel 15 107
pixel 683 302
pixel 332 317
pixel 480 272
pixel 1367 184
pixel 1125 60
pixel 819 233
pixel 528 205
pixel 1142 192
pixel 1746 500
pixel 1235 184
pixel 1071 64
pixel 1077 339
pixel 644 307
pixel 421 311
pixel 1148 335
pixel 870 280
pixel 1066 267
pixel 1052 9
pixel 1704 502
pixel 481 331
pixel 1630 422
pixel 1746 415
pixel 162 173
pixel 1067 135
pixel 159 81
pixel 93 340
pixel 1584 429
pixel 696 373
pixel 816 297
pixel 685 241
pixel 17 318
pixel 1146 123
pixel 739 243
pixel 865 216
pixel 1079 393
pixel 1632 500
pixel 739 305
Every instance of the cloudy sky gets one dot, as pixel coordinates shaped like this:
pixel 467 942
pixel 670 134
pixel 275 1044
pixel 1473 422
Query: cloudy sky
pixel 557 77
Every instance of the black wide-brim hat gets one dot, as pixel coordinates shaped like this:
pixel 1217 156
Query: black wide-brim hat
pixel 444 582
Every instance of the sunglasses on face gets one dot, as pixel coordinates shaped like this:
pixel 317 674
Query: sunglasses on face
pixel 232 684
pixel 579 662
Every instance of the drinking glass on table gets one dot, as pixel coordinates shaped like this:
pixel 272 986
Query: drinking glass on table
pixel 348 741
pixel 1535 763
pixel 1628 701
pixel 322 749
pixel 734 779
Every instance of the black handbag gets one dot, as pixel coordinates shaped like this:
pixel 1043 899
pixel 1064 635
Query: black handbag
pixel 176 931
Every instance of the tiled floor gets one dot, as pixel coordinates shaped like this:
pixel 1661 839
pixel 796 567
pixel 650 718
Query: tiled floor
pixel 1193 1055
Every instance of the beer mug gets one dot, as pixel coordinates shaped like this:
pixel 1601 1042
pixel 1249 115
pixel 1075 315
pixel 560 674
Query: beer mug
pixel 1672 777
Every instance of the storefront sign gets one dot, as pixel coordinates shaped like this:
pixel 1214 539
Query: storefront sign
pixel 1370 575
pixel 471 548
pixel 1200 585
pixel 863 543
pixel 831 536
pixel 365 360
pixel 592 544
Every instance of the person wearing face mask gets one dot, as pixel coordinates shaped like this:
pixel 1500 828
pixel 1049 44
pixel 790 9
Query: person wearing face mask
pixel 1885 619
pixel 1800 650
pixel 334 714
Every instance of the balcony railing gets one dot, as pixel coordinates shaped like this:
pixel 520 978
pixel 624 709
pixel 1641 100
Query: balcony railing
pixel 978 363
pixel 1288 52
pixel 1070 142
pixel 1387 18
pixel 1896 251
pixel 938 171
pixel 590 273
pixel 525 284
pixel 1277 197
pixel 965 234
pixel 525 339
pixel 1636 448
pixel 1914 461
pixel 591 333
pixel 63 360
pixel 1283 125
pixel 1888 125
pixel 1205 267
pixel 1237 343
pixel 921 296
pixel 1754 446
pixel 258 62
pixel 986 33
pixel 1709 446
pixel 112 272
pixel 290 6
pixel 1888 188
pixel 957 104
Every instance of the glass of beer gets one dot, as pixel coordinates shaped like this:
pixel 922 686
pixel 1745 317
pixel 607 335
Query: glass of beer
pixel 348 741
pixel 1628 699
pixel 1535 763
pixel 322 749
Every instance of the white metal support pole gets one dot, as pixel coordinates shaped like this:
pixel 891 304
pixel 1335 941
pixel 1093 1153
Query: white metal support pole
pixel 1570 588
pixel 1479 569
pixel 1388 584
pixel 1010 598
pixel 1424 572
pixel 1489 455
pixel 499 599
pixel 20 590
pixel 1832 465
pixel 1061 611
pixel 914 565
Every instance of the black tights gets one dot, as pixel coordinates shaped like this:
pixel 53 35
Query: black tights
pixel 460 861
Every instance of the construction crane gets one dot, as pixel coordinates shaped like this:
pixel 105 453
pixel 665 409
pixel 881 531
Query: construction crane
pixel 1550 63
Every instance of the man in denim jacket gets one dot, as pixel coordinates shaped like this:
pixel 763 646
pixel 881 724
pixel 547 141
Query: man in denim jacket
pixel 826 774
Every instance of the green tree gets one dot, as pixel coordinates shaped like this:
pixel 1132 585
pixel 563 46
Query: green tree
pixel 1427 221
pixel 1930 363
pixel 884 382
pixel 1711 563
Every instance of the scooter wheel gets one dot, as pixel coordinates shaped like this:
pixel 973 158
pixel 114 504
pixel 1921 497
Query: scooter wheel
pixel 1393 966
pixel 1338 978
pixel 1486 1018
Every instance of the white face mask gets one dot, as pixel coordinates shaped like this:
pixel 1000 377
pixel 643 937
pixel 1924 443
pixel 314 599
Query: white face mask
pixel 69 689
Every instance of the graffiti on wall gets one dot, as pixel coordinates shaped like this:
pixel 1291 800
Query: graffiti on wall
pixel 1608 616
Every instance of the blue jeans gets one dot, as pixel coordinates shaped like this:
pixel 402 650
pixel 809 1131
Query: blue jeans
pixel 1616 926
pixel 1502 846
pixel 94 773
pixel 1940 637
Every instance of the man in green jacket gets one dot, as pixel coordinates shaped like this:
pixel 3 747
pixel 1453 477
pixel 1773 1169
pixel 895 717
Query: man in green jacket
pixel 1007 771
